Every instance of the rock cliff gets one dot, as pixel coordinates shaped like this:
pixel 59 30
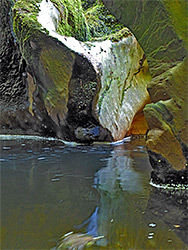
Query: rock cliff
pixel 77 88
pixel 161 30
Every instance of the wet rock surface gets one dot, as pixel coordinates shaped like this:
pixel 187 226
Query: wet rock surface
pixel 15 116
pixel 155 27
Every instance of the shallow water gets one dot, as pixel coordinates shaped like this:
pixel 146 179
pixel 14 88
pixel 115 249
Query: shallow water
pixel 48 189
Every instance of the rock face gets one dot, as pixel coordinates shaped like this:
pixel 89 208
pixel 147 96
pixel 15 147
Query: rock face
pixel 15 117
pixel 124 77
pixel 83 91
pixel 161 29
pixel 151 24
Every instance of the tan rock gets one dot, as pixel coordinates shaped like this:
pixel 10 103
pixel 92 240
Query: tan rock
pixel 163 142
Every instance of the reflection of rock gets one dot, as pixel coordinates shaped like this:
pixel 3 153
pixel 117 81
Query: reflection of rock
pixel 118 174
pixel 161 29
pixel 116 183
pixel 170 207
pixel 124 216
pixel 77 88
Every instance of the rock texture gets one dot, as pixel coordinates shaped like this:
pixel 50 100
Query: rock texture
pixel 161 29
pixel 124 78
pixel 83 91
pixel 15 117
pixel 151 24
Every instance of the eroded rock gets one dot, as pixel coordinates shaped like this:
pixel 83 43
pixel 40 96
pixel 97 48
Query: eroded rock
pixel 161 30
pixel 85 91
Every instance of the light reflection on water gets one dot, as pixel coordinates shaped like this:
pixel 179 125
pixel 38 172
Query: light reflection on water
pixel 48 189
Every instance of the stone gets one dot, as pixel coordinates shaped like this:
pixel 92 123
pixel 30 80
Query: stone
pixel 123 79
pixel 154 26
pixel 170 116
pixel 85 90
pixel 161 29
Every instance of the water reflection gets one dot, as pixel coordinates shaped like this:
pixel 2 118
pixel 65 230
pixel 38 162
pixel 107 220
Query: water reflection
pixel 172 208
pixel 124 193
pixel 48 189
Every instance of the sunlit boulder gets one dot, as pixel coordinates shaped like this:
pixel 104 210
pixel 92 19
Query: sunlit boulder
pixel 161 29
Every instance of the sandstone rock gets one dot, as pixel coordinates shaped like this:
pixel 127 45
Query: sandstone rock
pixel 122 77
pixel 84 91
pixel 151 22
pixel 123 85
pixel 161 30
pixel 170 116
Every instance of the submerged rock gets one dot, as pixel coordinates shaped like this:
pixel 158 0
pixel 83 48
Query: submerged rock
pixel 85 91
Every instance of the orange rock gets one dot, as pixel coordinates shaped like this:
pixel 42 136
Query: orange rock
pixel 139 125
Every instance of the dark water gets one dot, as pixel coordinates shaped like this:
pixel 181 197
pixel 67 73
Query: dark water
pixel 48 189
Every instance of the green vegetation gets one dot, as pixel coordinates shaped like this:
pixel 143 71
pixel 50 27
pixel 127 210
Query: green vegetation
pixel 86 20
pixel 100 21
pixel 25 18
pixel 90 22
pixel 114 37
pixel 73 22
pixel 25 24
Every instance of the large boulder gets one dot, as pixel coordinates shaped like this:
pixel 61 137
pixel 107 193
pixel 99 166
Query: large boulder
pixel 82 90
pixel 161 29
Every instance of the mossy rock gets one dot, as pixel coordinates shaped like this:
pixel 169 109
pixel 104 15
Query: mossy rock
pixel 100 21
pixel 157 26
pixel 73 21
pixel 161 29
pixel 170 117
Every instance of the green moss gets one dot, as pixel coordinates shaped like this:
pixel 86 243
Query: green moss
pixel 25 18
pixel 115 37
pixel 100 21
pixel 25 23
pixel 73 22
pixel 84 24
pixel 87 23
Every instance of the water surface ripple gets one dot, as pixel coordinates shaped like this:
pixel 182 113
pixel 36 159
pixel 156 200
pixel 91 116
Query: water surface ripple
pixel 49 189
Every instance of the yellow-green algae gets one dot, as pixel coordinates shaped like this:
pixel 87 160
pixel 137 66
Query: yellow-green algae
pixel 57 64
pixel 73 22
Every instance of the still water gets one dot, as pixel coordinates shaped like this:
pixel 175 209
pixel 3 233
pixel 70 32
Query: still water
pixel 49 189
